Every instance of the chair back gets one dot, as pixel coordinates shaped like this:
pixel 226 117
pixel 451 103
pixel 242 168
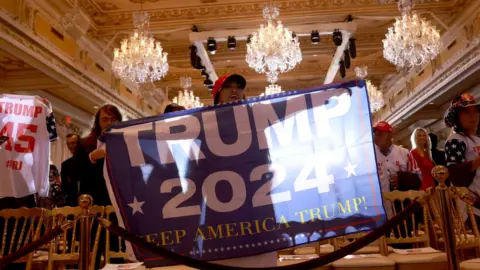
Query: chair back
pixel 20 227
pixel 464 224
pixel 118 252
pixel 64 249
pixel 413 230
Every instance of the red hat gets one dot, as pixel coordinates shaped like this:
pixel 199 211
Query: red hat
pixel 220 82
pixel 383 126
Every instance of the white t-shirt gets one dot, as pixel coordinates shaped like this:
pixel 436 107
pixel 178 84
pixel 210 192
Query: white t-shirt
pixel 24 157
pixel 460 149
pixel 397 159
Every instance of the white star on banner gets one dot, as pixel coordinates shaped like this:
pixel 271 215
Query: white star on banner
pixel 209 250
pixel 234 247
pixel 136 206
pixel 191 253
pixel 351 169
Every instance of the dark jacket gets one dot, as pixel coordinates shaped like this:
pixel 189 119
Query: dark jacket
pixel 70 182
pixel 90 175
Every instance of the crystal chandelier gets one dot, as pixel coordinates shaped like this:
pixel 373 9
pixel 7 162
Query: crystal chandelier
pixel 375 96
pixel 412 41
pixel 273 49
pixel 272 89
pixel 187 99
pixel 361 71
pixel 186 82
pixel 140 58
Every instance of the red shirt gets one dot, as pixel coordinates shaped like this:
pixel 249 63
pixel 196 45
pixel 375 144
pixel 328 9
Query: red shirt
pixel 426 165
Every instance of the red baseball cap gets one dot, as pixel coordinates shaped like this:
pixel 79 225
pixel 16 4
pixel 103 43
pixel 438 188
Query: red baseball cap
pixel 220 82
pixel 383 127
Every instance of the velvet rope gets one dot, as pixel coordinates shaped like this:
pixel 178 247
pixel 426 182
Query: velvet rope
pixel 31 247
pixel 311 264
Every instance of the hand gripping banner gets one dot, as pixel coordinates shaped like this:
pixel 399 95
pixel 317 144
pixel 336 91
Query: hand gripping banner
pixel 247 178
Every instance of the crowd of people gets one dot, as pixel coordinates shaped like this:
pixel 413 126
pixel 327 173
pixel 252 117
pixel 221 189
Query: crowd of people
pixel 398 168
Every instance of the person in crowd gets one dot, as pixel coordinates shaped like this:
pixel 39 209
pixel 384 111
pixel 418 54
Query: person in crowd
pixel 55 194
pixel 232 88
pixel 462 147
pixel 397 167
pixel 421 146
pixel 70 182
pixel 229 88
pixel 438 156
pixel 173 107
pixel 89 160
pixel 398 170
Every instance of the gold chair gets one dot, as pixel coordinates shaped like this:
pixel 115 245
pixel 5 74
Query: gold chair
pixel 110 210
pixel 411 232
pixel 362 260
pixel 320 248
pixel 65 248
pixel 25 225
pixel 466 230
pixel 372 248
pixel 473 264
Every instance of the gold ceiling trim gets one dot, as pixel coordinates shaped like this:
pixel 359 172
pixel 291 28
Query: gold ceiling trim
pixel 206 13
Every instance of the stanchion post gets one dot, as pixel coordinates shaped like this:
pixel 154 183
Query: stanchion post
pixel 440 173
pixel 84 201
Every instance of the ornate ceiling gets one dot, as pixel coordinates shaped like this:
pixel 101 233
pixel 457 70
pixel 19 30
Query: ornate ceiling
pixel 171 22
pixel 18 77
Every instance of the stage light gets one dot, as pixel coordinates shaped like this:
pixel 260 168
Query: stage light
pixel 352 48
pixel 195 61
pixel 249 38
pixel 232 43
pixel 337 37
pixel 315 37
pixel 342 69
pixel 207 82
pixel 346 58
pixel 211 45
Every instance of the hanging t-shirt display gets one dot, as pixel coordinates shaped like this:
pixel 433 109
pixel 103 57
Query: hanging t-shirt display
pixel 24 157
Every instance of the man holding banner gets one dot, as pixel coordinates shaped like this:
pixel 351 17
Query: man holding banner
pixel 231 88
pixel 249 177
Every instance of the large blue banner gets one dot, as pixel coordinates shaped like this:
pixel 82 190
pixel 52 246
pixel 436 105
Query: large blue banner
pixel 247 178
